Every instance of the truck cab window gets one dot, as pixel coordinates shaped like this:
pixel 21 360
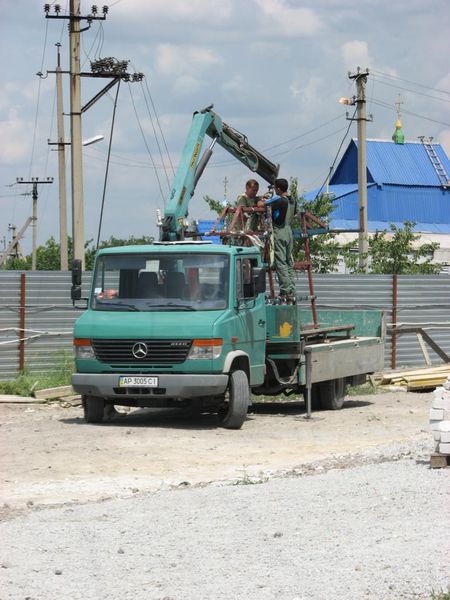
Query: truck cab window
pixel 245 288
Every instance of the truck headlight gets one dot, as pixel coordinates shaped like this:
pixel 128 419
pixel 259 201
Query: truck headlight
pixel 206 349
pixel 82 348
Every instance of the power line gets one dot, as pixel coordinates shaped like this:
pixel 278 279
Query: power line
pixel 309 143
pixel 146 145
pixel 107 164
pixel 156 136
pixel 399 87
pixel 337 154
pixel 389 76
pixel 404 110
pixel 159 125
pixel 304 134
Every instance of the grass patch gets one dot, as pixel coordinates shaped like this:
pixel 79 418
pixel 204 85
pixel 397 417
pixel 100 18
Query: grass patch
pixel 440 595
pixel 26 383
pixel 364 390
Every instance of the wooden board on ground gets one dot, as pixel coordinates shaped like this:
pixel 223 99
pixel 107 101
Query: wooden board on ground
pixel 57 392
pixel 439 461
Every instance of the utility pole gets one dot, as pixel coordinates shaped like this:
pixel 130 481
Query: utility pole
pixel 75 129
pixel 64 266
pixel 35 181
pixel 360 78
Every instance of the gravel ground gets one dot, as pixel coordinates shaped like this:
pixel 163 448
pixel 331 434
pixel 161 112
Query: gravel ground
pixel 378 531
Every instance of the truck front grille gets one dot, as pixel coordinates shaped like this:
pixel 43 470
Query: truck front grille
pixel 157 352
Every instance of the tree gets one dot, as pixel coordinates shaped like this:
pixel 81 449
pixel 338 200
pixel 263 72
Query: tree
pixel 323 248
pixel 395 251
pixel 48 255
pixel 214 205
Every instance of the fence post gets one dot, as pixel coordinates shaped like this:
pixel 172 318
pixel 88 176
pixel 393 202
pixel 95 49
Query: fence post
pixel 394 321
pixel 22 323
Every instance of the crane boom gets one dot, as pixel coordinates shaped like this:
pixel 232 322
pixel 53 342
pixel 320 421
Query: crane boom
pixel 191 167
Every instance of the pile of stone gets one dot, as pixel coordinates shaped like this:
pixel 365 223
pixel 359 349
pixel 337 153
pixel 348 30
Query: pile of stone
pixel 440 418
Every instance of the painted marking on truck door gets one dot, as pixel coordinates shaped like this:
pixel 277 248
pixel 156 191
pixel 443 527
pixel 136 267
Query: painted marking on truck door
pixel 285 330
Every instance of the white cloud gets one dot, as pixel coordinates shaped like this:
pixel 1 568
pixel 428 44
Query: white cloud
pixel 194 11
pixel 308 92
pixel 281 19
pixel 355 54
pixel 14 131
pixel 182 60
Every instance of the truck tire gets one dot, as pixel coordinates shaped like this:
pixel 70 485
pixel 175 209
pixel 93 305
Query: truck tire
pixel 94 409
pixel 232 416
pixel 332 394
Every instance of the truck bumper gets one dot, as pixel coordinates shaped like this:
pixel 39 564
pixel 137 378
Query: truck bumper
pixel 169 386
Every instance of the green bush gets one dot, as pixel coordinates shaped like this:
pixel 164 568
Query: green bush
pixel 26 383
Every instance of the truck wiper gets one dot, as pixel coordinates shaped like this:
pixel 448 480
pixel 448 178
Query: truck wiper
pixel 171 305
pixel 113 305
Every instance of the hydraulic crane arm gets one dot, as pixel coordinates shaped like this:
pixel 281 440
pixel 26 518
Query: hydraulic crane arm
pixel 191 167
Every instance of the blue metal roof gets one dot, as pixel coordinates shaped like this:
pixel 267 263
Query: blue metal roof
pixel 428 206
pixel 396 164
pixel 203 227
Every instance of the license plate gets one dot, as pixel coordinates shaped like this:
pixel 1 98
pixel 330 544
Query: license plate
pixel 138 381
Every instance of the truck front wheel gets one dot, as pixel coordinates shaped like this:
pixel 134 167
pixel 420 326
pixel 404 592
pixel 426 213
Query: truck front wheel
pixel 332 394
pixel 232 414
pixel 94 409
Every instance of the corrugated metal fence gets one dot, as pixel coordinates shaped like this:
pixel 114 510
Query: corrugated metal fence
pixel 49 316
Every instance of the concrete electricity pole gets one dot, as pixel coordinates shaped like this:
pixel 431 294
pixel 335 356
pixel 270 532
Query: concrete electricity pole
pixel 363 243
pixel 35 181
pixel 75 128
pixel 64 266
pixel 76 155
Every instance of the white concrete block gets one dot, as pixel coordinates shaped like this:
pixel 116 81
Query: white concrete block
pixel 444 448
pixel 445 436
pixel 444 425
pixel 436 414
pixel 434 425
pixel 446 416
pixel 443 403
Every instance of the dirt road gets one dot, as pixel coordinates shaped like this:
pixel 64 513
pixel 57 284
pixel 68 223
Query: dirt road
pixel 49 456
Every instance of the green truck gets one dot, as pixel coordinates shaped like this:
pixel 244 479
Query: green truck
pixel 183 322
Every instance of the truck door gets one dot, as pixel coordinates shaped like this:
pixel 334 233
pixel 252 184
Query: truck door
pixel 251 320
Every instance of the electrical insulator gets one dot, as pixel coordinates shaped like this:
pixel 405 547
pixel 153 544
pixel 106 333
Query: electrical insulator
pixel 57 8
pixel 105 9
pixel 47 8
pixel 94 9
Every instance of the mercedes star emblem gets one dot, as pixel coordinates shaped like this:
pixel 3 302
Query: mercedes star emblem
pixel 139 350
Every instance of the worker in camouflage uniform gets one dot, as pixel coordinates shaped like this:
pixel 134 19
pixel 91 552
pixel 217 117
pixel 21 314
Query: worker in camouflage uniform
pixel 249 200
pixel 284 209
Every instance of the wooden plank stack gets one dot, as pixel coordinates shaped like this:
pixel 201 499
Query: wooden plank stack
pixel 418 379
pixel 440 425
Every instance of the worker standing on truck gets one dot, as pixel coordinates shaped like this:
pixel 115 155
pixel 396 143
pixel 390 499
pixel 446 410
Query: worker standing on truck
pixel 249 200
pixel 284 209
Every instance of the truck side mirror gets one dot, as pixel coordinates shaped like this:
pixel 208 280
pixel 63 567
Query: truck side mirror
pixel 75 292
pixel 259 279
pixel 76 272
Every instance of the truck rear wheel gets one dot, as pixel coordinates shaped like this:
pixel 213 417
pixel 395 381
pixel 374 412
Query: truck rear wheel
pixel 232 414
pixel 332 394
pixel 94 409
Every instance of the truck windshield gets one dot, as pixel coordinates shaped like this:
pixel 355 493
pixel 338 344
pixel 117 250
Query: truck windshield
pixel 161 282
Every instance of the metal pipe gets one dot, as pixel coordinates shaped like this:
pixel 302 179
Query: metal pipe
pixel 394 321
pixel 22 324
pixel 308 383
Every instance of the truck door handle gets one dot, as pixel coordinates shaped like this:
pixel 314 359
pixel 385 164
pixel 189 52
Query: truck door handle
pixel 261 323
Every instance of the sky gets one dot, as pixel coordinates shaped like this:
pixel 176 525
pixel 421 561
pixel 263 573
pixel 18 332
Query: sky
pixel 274 70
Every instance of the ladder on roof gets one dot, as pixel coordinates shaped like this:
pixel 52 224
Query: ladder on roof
pixel 436 162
